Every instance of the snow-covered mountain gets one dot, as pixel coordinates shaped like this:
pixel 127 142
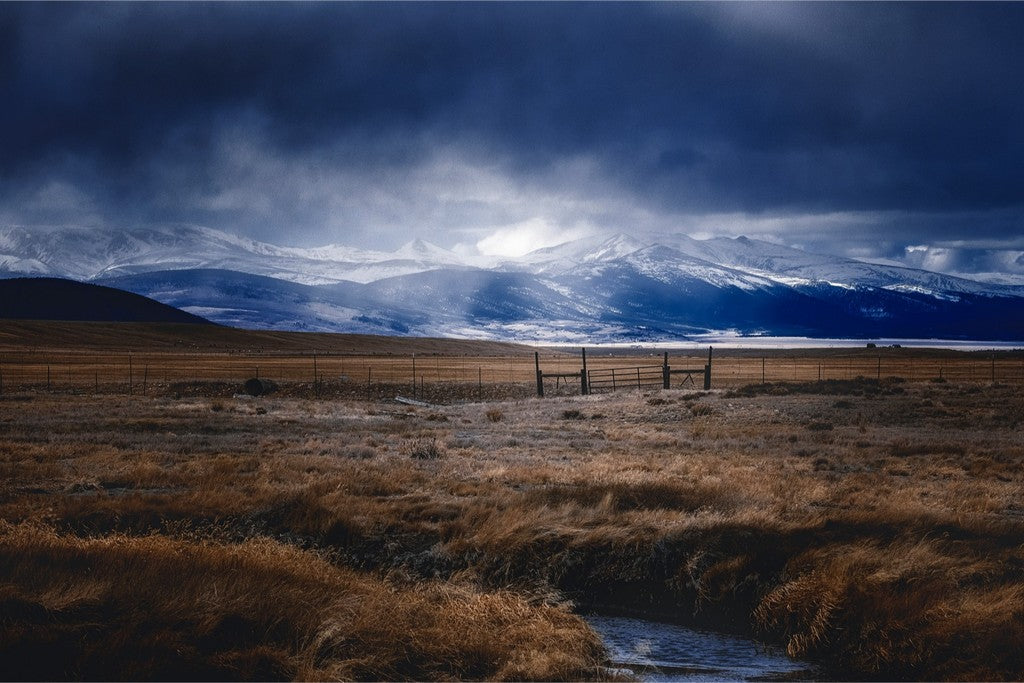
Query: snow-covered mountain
pixel 617 287
pixel 95 254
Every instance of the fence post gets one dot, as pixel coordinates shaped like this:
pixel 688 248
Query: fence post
pixel 584 389
pixel 707 372
pixel 479 383
pixel 762 369
pixel 540 377
pixel 414 375
pixel 638 379
pixel 665 381
pixel 145 378
pixel 993 368
pixel 316 383
pixel 878 371
pixel 1 379
pixel 129 374
pixel 47 376
pixel 368 370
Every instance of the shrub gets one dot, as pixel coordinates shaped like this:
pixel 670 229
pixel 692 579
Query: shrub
pixel 426 449
pixel 359 452
pixel 700 409
pixel 494 415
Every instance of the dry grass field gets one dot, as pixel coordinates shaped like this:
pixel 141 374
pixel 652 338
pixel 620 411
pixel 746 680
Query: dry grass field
pixel 875 525
pixel 149 358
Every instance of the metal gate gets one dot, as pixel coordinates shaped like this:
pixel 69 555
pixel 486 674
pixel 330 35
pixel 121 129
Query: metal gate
pixel 610 379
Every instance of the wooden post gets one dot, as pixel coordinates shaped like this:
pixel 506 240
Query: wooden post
pixel 368 370
pixel 96 381
pixel 145 378
pixel 479 382
pixel 762 369
pixel 993 368
pixel 540 377
pixel 584 385
pixel 414 375
pixel 1 379
pixel 130 374
pixel 707 372
pixel 638 379
pixel 47 377
pixel 665 373
pixel 613 379
pixel 878 370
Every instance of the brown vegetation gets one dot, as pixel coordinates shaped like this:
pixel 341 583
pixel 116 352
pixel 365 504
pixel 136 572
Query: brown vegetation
pixel 875 525
pixel 144 608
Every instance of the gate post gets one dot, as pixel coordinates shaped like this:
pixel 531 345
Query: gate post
pixel 540 377
pixel 665 373
pixel 584 389
pixel 707 372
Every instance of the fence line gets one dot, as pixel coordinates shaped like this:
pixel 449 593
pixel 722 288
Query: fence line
pixel 150 372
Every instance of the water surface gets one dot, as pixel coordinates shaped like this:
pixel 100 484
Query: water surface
pixel 655 651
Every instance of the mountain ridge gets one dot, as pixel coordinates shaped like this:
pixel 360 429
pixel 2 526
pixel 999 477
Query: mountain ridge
pixel 45 298
pixel 612 288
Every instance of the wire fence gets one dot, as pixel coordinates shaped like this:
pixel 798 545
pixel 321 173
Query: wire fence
pixel 379 376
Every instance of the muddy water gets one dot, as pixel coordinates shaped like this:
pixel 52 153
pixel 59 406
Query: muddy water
pixel 654 651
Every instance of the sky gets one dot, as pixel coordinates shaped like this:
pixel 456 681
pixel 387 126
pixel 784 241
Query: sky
pixel 891 132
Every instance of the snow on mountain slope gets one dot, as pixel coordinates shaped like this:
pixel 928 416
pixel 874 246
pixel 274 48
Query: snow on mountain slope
pixel 258 302
pixel 92 254
pixel 670 266
pixel 795 267
pixel 566 256
pixel 616 285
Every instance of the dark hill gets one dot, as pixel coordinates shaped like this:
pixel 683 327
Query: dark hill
pixel 44 298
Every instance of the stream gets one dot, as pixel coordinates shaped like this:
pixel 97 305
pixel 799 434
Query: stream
pixel 655 651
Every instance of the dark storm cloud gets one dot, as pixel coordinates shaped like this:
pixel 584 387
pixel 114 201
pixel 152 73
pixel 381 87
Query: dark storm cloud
pixel 344 120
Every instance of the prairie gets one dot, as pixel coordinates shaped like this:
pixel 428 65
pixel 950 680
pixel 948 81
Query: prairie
pixel 870 524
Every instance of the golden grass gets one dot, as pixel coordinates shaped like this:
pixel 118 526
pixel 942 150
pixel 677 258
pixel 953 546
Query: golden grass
pixel 169 359
pixel 123 607
pixel 887 545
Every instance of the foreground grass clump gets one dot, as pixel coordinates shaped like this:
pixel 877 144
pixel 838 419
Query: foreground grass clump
pixel 874 526
pixel 151 607
pixel 902 607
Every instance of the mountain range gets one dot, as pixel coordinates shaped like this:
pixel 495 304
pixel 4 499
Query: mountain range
pixel 617 288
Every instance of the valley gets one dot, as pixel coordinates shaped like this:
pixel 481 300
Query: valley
pixel 863 523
